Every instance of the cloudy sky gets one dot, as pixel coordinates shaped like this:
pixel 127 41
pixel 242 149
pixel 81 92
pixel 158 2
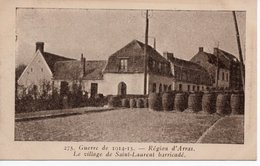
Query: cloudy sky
pixel 99 33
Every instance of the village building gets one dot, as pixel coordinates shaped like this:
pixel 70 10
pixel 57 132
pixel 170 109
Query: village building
pixel 188 76
pixel 122 74
pixel 86 74
pixel 39 72
pixel 225 64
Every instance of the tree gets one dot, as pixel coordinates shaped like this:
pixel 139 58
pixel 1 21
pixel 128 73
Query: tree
pixel 19 70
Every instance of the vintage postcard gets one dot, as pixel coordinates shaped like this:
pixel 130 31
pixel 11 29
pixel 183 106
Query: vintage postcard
pixel 84 80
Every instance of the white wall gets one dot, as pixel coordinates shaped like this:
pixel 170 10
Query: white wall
pixel 109 85
pixel 36 72
pixel 159 80
pixel 223 83
pixel 185 86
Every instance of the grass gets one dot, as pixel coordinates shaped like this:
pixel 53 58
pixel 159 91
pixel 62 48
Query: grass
pixel 124 125
pixel 229 130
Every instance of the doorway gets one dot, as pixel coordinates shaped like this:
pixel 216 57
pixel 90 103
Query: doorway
pixel 64 88
pixel 93 89
pixel 121 88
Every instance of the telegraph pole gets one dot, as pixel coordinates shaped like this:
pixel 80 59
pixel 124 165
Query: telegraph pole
pixel 240 51
pixel 217 66
pixel 145 52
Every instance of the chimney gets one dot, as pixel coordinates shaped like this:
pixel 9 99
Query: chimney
pixel 81 58
pixel 40 46
pixel 200 49
pixel 83 62
pixel 215 51
pixel 168 55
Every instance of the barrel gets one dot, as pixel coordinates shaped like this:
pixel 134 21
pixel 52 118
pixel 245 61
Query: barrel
pixel 200 95
pixel 139 103
pixel 125 103
pixel 114 101
pixel 155 102
pixel 194 102
pixel 180 102
pixel 146 105
pixel 167 101
pixel 209 103
pixel 237 103
pixel 132 103
pixel 223 104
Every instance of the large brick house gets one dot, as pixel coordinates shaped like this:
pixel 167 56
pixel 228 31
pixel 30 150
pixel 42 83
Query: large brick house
pixel 225 64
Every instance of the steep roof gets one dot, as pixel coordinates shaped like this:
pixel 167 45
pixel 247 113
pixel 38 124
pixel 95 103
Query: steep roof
pixel 212 59
pixel 187 64
pixel 73 70
pixel 94 70
pixel 51 59
pixel 227 55
pixel 134 51
pixel 189 71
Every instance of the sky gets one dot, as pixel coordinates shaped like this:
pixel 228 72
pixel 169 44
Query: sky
pixel 100 33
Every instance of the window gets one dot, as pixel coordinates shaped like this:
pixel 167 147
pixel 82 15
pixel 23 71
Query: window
pixel 154 87
pixel 188 87
pixel 160 67
pixel 123 65
pixel 165 88
pixel 193 88
pixel 180 87
pixel 198 88
pixel 153 64
pixel 223 75
pixel 42 69
pixel 165 68
pixel 170 88
pixel 227 76
pixel 202 87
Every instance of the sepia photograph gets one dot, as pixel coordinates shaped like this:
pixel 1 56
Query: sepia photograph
pixel 121 75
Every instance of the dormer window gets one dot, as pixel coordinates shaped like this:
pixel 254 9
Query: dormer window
pixel 123 65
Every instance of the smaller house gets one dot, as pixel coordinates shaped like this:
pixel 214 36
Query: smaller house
pixel 87 74
pixel 188 76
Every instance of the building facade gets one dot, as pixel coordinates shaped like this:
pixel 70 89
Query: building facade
pixel 218 70
pixel 124 72
pixel 188 76
pixel 39 72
